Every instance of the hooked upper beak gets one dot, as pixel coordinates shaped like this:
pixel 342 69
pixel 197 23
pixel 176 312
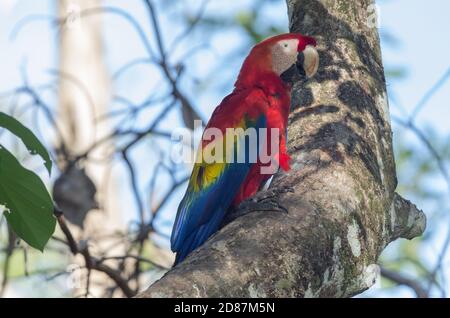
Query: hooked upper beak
pixel 308 61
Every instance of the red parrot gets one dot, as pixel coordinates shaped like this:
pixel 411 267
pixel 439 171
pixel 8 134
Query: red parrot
pixel 260 101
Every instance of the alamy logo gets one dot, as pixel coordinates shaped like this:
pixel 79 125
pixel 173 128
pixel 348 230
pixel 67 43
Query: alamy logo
pixel 234 145
pixel 73 19
pixel 74 279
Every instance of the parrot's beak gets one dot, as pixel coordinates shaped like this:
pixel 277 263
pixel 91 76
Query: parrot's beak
pixel 306 66
pixel 308 61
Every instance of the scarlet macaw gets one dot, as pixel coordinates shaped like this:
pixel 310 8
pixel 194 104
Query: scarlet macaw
pixel 260 99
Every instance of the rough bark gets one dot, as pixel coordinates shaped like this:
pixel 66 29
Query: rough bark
pixel 342 208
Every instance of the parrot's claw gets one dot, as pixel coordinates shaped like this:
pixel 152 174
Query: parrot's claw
pixel 266 201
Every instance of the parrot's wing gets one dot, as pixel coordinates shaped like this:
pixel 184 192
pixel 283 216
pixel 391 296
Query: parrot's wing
pixel 213 185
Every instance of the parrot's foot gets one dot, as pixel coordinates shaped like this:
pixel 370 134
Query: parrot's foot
pixel 266 201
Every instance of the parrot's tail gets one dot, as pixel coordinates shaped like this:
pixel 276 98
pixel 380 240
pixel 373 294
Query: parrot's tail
pixel 198 237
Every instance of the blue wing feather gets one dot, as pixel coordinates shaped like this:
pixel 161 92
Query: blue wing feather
pixel 200 213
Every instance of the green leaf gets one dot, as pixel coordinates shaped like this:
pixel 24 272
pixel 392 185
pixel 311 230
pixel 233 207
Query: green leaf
pixel 33 144
pixel 29 207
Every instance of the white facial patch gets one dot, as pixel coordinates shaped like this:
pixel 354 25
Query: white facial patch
pixel 284 55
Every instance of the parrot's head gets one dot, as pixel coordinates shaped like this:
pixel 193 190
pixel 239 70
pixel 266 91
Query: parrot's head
pixel 278 54
pixel 289 49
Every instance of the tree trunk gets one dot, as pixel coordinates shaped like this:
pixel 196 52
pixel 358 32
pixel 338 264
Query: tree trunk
pixel 342 208
pixel 84 93
pixel 84 86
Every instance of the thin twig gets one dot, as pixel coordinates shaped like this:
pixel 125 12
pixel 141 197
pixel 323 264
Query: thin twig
pixel 400 279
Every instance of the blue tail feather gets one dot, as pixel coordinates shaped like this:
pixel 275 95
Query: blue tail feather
pixel 198 237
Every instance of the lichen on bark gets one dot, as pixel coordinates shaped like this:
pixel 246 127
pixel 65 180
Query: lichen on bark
pixel 342 208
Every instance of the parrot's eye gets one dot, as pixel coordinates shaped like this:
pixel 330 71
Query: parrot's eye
pixel 285 45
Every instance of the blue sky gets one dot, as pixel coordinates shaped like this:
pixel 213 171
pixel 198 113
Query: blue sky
pixel 422 28
pixel 423 49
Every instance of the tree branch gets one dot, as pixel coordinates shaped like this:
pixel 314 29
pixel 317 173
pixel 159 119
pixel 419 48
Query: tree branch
pixel 402 280
pixel 91 262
